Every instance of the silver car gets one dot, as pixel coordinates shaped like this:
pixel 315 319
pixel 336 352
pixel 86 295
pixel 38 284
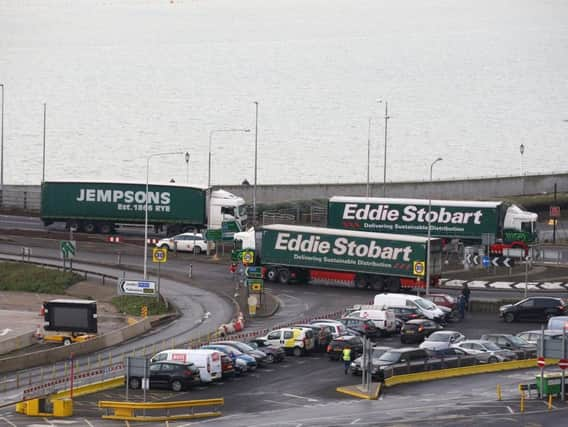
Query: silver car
pixel 441 340
pixel 486 351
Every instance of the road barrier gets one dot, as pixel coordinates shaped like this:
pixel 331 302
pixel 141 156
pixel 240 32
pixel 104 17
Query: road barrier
pixel 126 411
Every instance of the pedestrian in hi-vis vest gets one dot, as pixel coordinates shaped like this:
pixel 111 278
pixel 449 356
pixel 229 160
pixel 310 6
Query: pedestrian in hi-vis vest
pixel 346 359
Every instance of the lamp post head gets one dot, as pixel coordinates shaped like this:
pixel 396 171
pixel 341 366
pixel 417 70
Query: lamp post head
pixel 187 156
pixel 522 148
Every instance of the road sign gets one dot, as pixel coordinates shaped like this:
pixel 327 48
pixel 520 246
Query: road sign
pixel 418 268
pixel 159 255
pixel 541 362
pixel 68 248
pixel 472 259
pixel 555 212
pixel 486 261
pixel 253 272
pixel 563 364
pixel 503 261
pixel 255 285
pixel 248 257
pixel 137 287
pixel 214 234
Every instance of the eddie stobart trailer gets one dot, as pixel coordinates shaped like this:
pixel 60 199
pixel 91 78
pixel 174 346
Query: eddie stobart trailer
pixel 99 207
pixel 467 221
pixel 375 260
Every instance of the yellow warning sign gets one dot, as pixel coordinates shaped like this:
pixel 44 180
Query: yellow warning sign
pixel 418 268
pixel 248 257
pixel 159 255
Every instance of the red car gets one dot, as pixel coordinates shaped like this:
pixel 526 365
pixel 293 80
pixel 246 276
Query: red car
pixel 444 300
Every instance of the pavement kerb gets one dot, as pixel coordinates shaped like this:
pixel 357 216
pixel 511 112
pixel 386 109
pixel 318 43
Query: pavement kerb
pixel 89 388
pixel 459 372
pixel 355 391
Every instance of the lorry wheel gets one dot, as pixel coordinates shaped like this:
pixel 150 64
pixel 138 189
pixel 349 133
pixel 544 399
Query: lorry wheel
pixel 272 274
pixel 106 228
pixel 393 284
pixel 66 341
pixel 74 225
pixel 284 276
pixel 90 227
pixel 378 284
pixel 134 383
pixel 360 282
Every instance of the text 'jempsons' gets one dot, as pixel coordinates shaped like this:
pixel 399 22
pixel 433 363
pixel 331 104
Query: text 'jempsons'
pixel 341 246
pixel 119 196
pixel 410 213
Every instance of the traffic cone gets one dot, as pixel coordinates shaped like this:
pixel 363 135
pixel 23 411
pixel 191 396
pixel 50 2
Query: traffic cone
pixel 38 333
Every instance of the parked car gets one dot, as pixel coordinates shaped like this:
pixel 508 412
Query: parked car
pixel 486 351
pixel 322 335
pixel 510 342
pixel 384 319
pixel 428 309
pixel 173 375
pixel 185 242
pixel 376 353
pixel 557 323
pixel 242 362
pixel 227 366
pixel 336 346
pixel 441 340
pixel 533 309
pixel 360 326
pixel 208 361
pixel 337 328
pixel 443 300
pixel 417 330
pixel 402 355
pixel 298 341
pixel 258 355
pixel 406 313
pixel 533 336
pixel 273 354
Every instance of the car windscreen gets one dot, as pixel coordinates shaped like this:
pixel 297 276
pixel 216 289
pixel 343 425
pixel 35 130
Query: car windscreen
pixel 425 304
pixel 518 340
pixel 390 357
pixel 439 337
pixel 491 346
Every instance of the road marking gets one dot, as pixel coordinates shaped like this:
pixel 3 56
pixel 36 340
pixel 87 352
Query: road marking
pixel 282 403
pixel 309 399
pixel 5 331
pixel 355 421
pixel 551 405
pixel 88 422
pixel 510 410
pixel 8 421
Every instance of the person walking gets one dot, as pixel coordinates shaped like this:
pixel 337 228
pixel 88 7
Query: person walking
pixel 346 358
pixel 461 306
pixel 466 292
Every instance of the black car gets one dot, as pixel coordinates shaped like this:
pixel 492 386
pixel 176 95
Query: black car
pixel 406 313
pixel 273 354
pixel 376 353
pixel 533 309
pixel 361 326
pixel 336 346
pixel 176 376
pixel 417 329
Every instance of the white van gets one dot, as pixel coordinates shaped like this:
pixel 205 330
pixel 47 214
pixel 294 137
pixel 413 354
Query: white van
pixel 208 361
pixel 383 319
pixel 428 309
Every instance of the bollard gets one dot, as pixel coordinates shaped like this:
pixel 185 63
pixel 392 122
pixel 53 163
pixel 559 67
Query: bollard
pixel 190 271
pixel 499 392
pixel 99 361
pixel 550 402
pixel 522 402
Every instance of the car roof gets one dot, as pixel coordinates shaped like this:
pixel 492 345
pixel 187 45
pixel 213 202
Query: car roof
pixel 345 337
pixel 415 321
pixel 474 342
pixel 446 332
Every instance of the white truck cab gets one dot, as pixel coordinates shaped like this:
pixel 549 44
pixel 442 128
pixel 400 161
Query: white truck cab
pixel 225 207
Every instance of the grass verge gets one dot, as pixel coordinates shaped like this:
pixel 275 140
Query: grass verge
pixel 132 305
pixel 30 278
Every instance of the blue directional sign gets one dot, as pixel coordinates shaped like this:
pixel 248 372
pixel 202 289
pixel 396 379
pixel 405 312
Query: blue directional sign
pixel 486 261
pixel 253 272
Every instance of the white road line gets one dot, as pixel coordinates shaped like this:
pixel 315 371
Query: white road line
pixel 88 422
pixel 546 404
pixel 282 403
pixel 309 399
pixel 8 421
pixel 510 410
pixel 355 421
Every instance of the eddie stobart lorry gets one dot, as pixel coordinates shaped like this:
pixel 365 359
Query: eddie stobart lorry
pixel 363 259
pixel 507 225
pixel 99 207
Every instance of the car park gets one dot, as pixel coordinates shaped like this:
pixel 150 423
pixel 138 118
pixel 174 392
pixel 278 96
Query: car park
pixel 376 353
pixel 533 309
pixel 337 345
pixel 273 353
pixel 176 376
pixel 242 362
pixel 384 319
pixel 511 342
pixel 185 242
pixel 441 340
pixel 416 330
pixel 208 361
pixel 360 326
pixel 486 351
pixel 258 355
pixel 297 341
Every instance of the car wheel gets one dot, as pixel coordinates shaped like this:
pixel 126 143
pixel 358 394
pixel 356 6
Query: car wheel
pixel 269 358
pixel 492 359
pixel 176 385
pixel 66 341
pixel 509 317
pixel 197 250
pixel 547 316
pixel 403 340
pixel 134 383
pixel 297 351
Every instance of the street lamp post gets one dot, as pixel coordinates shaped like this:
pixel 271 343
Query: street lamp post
pixel 2 144
pixel 146 206
pixel 211 133
pixel 429 229
pixel 522 151
pixel 255 163
pixel 387 117
pixel 43 157
pixel 369 159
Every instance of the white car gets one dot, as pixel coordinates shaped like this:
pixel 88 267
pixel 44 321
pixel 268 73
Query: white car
pixel 185 242
pixel 442 340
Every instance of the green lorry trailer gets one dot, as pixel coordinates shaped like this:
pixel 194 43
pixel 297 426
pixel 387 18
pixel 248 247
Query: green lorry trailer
pixel 362 259
pixel 99 207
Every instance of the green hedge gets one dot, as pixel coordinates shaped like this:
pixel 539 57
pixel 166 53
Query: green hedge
pixel 132 305
pixel 30 278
